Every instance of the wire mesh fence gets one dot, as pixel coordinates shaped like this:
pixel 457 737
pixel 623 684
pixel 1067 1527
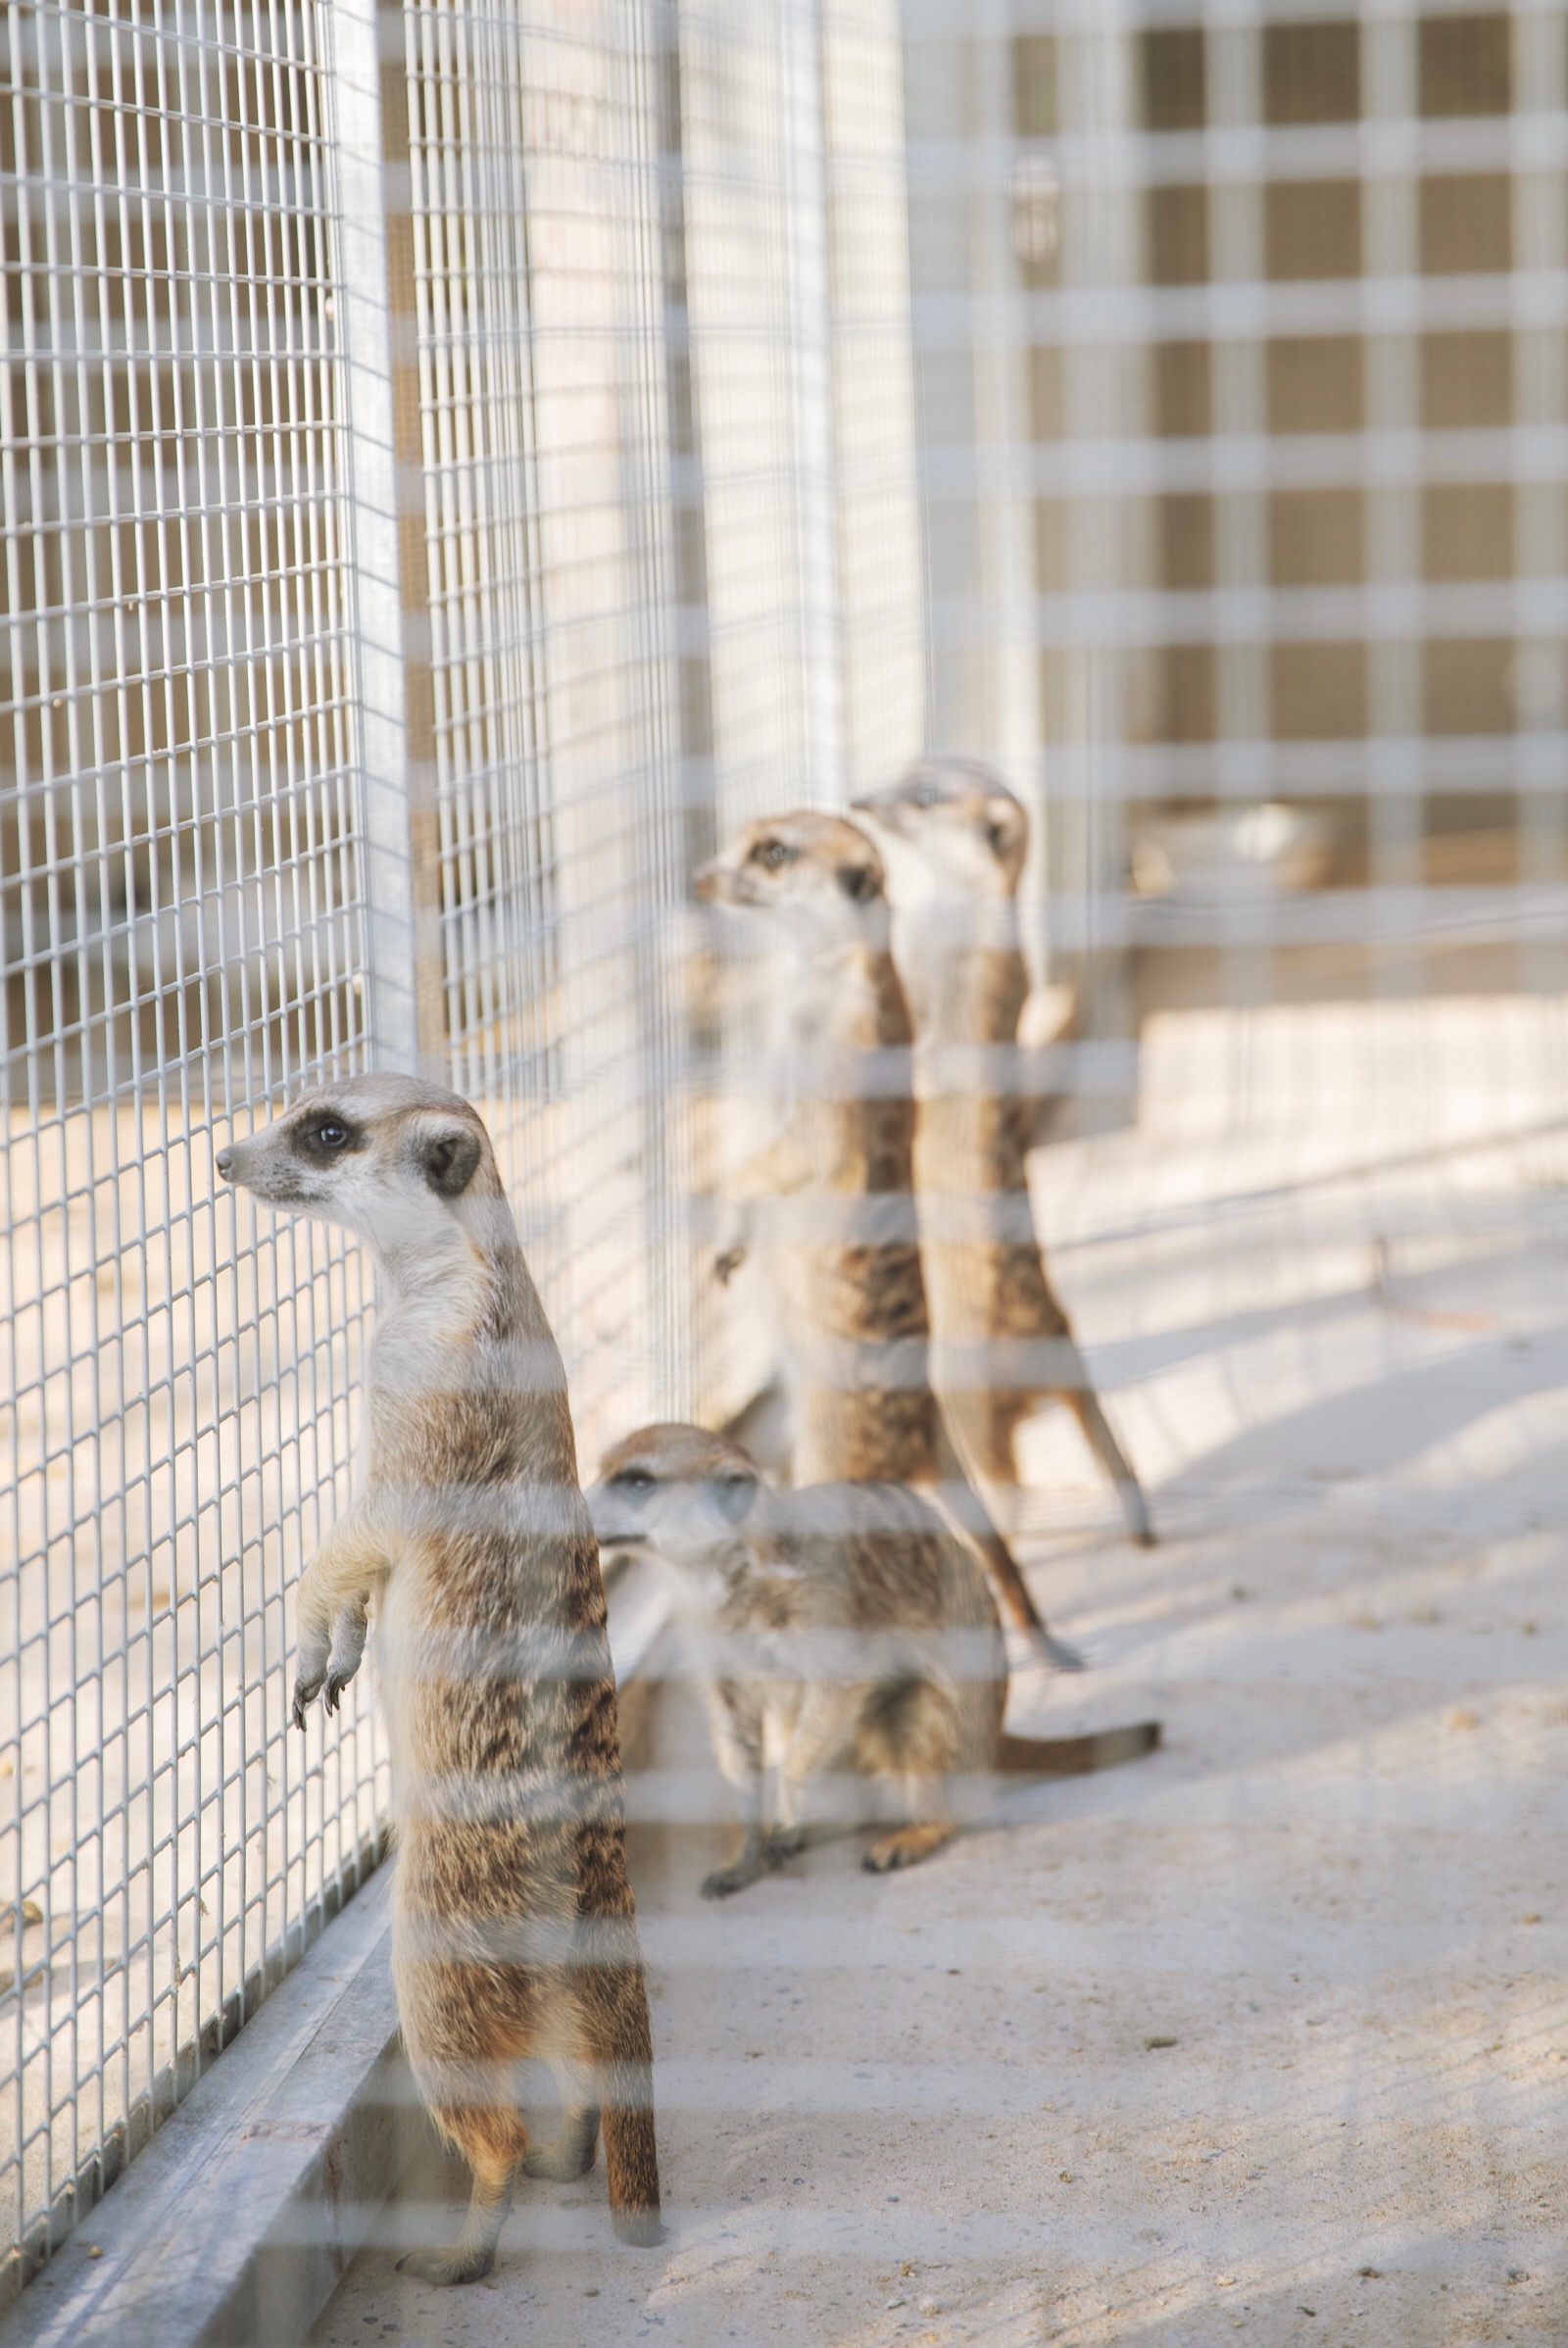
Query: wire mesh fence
pixel 182 899
pixel 462 461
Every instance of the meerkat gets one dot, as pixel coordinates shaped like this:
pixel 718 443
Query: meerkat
pixel 514 1927
pixel 860 1638
pixel 838 1184
pixel 991 1296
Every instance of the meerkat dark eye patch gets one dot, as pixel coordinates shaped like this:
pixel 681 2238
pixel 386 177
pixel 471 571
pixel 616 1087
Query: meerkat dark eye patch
pixel 733 1496
pixel 448 1158
pixel 859 882
pixel 326 1135
pixel 632 1479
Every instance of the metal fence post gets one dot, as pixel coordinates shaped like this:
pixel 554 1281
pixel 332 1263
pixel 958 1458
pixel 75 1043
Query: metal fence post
pixel 384 469
pixel 811 329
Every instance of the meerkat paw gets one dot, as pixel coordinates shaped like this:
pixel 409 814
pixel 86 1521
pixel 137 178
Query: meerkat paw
pixel 725 1882
pixel 1041 1649
pixel 444 2267
pixel 906 1848
pixel 1060 1655
pixel 640 2228
pixel 783 1845
pixel 726 1265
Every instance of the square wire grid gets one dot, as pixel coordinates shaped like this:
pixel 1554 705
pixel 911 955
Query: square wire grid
pixel 180 897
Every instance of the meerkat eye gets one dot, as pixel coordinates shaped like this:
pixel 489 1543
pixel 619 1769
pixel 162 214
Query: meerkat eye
pixel 332 1133
pixel 926 795
pixel 773 854
pixel 634 1480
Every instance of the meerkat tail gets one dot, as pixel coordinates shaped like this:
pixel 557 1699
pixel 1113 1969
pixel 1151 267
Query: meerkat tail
pixel 616 2042
pixel 631 2156
pixel 1076 1756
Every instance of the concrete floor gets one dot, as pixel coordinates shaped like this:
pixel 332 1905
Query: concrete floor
pixel 1264 2037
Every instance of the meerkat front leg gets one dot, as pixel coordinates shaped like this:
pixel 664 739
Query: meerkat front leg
pixel 737 1730
pixel 783 1167
pixel 822 1735
pixel 331 1611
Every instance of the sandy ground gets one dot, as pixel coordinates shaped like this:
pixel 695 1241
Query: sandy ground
pixel 1264 2037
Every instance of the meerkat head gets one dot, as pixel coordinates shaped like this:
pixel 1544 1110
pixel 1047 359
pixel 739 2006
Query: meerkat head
pixel 819 873
pixel 967 828
pixel 674 1493
pixel 392 1160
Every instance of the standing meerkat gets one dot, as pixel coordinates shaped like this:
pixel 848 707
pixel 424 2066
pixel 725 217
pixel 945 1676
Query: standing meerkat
pixel 838 1185
pixel 514 1930
pixel 858 1636
pixel 998 1320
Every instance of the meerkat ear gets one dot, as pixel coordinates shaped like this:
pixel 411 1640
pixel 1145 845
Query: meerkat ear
pixel 733 1494
pixel 449 1156
pixel 1005 828
pixel 859 882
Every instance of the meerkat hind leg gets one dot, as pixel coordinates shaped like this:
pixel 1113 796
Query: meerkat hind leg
pixel 571 2154
pixel 1086 1407
pixel 963 1503
pixel 493 2141
pixel 912 1735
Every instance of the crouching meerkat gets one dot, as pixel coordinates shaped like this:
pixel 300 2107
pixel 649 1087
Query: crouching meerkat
pixel 514 1930
pixel 840 1229
pixel 991 1296
pixel 857 1641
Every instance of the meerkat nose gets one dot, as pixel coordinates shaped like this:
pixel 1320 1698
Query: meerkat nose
pixel 224 1163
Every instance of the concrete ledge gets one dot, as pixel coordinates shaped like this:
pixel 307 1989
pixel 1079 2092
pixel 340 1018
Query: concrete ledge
pixel 234 2226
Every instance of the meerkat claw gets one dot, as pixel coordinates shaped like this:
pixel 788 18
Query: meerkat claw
pixel 333 1694
pixel 306 1692
pixel 725 1266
